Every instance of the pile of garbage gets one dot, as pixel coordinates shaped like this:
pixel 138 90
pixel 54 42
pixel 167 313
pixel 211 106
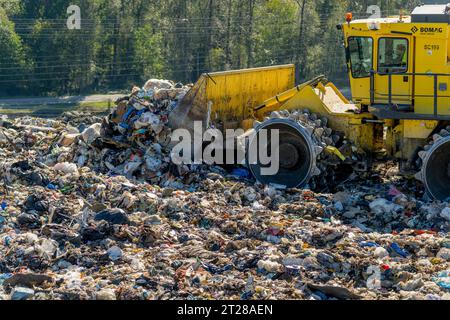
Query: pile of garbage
pixel 132 141
pixel 92 208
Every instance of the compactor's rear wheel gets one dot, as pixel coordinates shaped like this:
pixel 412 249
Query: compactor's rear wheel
pixel 303 136
pixel 435 173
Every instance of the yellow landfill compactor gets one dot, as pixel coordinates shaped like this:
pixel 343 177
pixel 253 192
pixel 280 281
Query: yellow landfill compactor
pixel 399 70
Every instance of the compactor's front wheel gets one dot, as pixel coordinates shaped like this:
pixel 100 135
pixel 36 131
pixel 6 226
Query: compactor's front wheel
pixel 303 137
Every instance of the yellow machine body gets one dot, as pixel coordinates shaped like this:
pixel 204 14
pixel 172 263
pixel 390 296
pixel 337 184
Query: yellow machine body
pixel 238 99
pixel 234 94
pixel 399 72
pixel 399 97
pixel 229 98
pixel 420 83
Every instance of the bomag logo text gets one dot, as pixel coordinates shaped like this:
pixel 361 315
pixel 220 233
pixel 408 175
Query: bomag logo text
pixel 431 30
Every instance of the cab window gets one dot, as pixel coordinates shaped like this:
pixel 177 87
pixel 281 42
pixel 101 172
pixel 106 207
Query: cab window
pixel 392 55
pixel 361 56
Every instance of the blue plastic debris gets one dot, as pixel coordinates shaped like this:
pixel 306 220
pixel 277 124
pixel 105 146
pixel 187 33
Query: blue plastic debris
pixel 241 173
pixel 369 244
pixel 7 240
pixel 443 280
pixel 21 293
pixel 321 295
pixel 51 186
pixel 124 125
pixel 127 114
pixel 82 127
pixel 141 131
pixel 399 251
pixel 215 247
pixel 246 295
pixel 140 113
pixel 4 276
pixel 3 205
pixel 205 223
pixel 183 238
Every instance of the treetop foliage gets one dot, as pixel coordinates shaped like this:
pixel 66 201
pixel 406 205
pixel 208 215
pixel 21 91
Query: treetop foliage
pixel 125 42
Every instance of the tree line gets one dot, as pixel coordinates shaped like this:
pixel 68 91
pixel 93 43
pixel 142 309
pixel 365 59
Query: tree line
pixel 125 42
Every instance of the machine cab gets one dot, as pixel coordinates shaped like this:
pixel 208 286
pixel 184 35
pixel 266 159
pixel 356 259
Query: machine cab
pixel 401 64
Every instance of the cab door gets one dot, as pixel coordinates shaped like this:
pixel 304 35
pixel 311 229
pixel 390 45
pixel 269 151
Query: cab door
pixel 392 82
pixel 360 56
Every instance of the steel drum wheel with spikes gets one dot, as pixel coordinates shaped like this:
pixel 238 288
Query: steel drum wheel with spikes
pixel 435 172
pixel 303 138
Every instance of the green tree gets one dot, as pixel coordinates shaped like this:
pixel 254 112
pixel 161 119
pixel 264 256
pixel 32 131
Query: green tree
pixel 149 53
pixel 13 56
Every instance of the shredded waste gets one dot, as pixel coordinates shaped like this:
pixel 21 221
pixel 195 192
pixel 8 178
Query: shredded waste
pixel 93 208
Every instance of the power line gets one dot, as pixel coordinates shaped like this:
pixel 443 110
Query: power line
pixel 109 62
pixel 160 26
pixel 129 69
pixel 67 78
pixel 171 18
pixel 94 64
pixel 95 60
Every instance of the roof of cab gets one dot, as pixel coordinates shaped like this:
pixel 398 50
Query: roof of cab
pixel 431 9
pixel 390 20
